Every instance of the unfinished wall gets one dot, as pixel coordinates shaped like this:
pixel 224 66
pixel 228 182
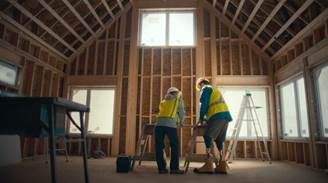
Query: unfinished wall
pixel 41 72
pixel 301 58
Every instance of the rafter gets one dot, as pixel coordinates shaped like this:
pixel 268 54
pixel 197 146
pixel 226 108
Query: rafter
pixel 269 18
pixel 305 5
pixel 78 16
pixel 214 3
pixel 225 6
pixel 240 6
pixel 32 35
pixel 107 8
pixel 120 4
pixel 61 20
pixel 310 26
pixel 251 16
pixel 94 13
pixel 237 30
pixel 293 11
pixel 41 24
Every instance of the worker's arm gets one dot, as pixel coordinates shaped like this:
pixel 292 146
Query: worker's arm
pixel 181 111
pixel 204 102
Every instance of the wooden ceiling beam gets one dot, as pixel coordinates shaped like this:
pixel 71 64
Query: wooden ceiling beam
pixel 214 3
pixel 61 20
pixel 41 24
pixel 107 8
pixel 305 5
pixel 321 18
pixel 120 4
pixel 78 16
pixel 32 35
pixel 269 18
pixel 225 7
pixel 234 28
pixel 240 7
pixel 251 16
pixel 94 13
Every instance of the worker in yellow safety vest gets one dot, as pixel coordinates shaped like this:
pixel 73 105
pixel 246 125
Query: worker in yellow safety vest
pixel 171 115
pixel 213 110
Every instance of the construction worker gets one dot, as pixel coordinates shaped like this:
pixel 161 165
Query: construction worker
pixel 214 110
pixel 171 115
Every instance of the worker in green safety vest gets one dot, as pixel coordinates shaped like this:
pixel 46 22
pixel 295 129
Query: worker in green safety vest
pixel 171 115
pixel 213 110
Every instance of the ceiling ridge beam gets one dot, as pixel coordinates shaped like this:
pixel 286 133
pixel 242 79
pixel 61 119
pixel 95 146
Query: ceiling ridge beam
pixel 305 5
pixel 78 16
pixel 108 9
pixel 251 16
pixel 32 35
pixel 41 24
pixel 234 28
pixel 240 6
pixel 61 20
pixel 100 31
pixel 321 18
pixel 225 7
pixel 93 12
pixel 269 18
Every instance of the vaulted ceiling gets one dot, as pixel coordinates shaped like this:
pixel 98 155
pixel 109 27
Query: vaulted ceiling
pixel 64 26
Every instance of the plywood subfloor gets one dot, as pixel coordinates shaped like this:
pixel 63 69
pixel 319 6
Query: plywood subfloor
pixel 104 171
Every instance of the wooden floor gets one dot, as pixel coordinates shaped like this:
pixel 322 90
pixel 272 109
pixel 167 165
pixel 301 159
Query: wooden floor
pixel 104 171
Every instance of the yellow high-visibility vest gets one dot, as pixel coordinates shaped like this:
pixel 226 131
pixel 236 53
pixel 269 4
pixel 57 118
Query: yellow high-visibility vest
pixel 168 108
pixel 216 104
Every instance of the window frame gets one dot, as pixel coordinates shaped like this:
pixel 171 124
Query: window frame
pixel 245 87
pixel 167 35
pixel 293 80
pixel 88 103
pixel 319 119
pixel 17 69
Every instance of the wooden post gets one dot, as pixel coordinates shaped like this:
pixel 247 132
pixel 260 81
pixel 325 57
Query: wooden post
pixel 132 87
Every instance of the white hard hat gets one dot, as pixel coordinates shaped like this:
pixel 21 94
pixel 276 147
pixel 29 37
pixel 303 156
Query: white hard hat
pixel 173 89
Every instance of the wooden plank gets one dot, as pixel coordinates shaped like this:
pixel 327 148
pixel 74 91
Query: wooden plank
pixel 242 80
pixel 61 20
pixel 93 12
pixel 41 24
pixel 251 16
pixel 269 18
pixel 319 19
pixel 213 47
pixel 120 4
pixel 108 9
pixel 225 6
pixel 78 16
pixel 290 21
pixel 92 80
pixel 240 7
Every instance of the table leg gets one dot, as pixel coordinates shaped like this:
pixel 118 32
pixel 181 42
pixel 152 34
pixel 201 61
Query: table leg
pixel 51 142
pixel 84 149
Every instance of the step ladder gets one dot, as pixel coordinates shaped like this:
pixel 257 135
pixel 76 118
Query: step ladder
pixel 147 132
pixel 247 107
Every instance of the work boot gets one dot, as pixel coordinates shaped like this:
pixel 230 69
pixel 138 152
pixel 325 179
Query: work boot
pixel 164 171
pixel 206 168
pixel 221 167
pixel 177 171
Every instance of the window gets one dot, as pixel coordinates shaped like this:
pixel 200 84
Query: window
pixel 101 102
pixel 167 28
pixel 294 113
pixel 8 73
pixel 233 98
pixel 321 78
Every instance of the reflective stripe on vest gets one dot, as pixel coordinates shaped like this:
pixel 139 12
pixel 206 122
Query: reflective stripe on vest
pixel 216 104
pixel 168 108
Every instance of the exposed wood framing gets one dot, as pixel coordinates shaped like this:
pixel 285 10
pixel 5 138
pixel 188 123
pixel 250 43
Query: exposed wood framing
pixel 240 6
pixel 61 20
pixel 94 13
pixel 251 16
pixel 78 16
pixel 269 18
pixel 225 7
pixel 41 24
pixel 108 9
pixel 120 4
pixel 290 21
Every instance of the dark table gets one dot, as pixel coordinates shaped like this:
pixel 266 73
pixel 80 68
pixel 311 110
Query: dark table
pixel 41 116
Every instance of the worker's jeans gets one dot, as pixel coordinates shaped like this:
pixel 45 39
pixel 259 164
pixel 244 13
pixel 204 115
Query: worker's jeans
pixel 160 132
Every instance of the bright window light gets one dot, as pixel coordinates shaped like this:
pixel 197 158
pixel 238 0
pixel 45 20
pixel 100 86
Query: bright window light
pixel 167 28
pixel 101 102
pixel 233 98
